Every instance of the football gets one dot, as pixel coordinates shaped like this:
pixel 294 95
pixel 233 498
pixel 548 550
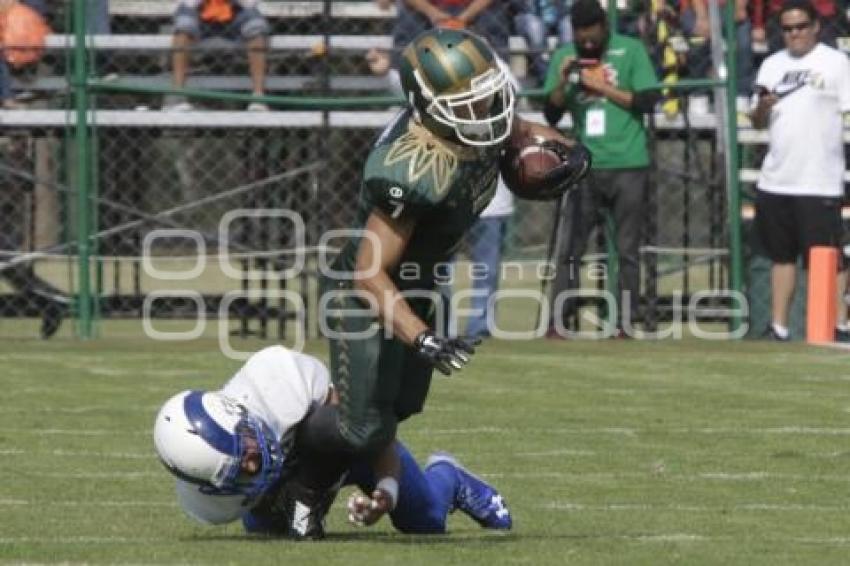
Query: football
pixel 526 164
pixel 537 168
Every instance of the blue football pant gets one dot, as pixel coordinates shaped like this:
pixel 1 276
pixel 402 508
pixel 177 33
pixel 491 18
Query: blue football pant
pixel 425 497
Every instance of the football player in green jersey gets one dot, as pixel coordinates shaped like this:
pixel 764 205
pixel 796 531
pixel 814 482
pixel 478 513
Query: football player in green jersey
pixel 427 178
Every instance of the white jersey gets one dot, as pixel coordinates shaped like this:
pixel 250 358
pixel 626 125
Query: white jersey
pixel 806 152
pixel 277 385
pixel 502 203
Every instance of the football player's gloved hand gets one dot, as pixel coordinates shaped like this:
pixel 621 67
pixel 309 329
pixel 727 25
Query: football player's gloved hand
pixel 575 164
pixel 445 354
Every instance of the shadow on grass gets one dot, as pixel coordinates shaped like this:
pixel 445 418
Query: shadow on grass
pixel 381 537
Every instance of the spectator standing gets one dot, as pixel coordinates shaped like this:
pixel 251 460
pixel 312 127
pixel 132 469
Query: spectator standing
pixel 486 239
pixel 802 92
pixel 766 26
pixel 695 24
pixel 604 81
pixel 231 19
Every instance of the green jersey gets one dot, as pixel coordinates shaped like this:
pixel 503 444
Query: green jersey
pixel 614 135
pixel 443 186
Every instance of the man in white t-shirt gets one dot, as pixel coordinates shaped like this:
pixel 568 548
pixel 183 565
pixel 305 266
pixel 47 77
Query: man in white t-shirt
pixel 235 455
pixel 801 94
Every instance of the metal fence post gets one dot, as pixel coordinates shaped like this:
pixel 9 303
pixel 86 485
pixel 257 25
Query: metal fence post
pixel 81 136
pixel 733 185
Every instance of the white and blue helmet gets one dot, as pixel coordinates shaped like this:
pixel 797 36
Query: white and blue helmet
pixel 201 438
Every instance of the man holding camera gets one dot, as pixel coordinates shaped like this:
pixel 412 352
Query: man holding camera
pixel 606 82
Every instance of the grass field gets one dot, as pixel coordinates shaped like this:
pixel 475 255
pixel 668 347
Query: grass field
pixel 610 452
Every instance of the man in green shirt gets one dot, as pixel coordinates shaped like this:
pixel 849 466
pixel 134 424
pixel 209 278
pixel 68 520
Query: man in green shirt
pixel 605 81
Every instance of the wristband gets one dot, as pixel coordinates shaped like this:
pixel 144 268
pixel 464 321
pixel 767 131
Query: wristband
pixel 389 485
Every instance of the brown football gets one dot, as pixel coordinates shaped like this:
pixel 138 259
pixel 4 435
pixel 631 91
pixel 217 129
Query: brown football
pixel 525 164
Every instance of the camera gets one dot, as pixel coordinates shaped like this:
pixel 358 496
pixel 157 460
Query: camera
pixel 573 71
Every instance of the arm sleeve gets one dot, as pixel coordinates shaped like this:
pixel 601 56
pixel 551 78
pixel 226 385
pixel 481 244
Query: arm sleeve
pixel 763 76
pixel 643 73
pixel 554 70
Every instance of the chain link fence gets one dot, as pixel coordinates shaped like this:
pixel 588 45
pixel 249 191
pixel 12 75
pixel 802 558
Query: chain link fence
pixel 176 249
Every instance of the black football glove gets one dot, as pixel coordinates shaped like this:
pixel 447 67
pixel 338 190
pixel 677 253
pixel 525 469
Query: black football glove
pixel 445 354
pixel 575 164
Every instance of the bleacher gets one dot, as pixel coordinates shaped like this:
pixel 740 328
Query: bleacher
pixel 160 9
pixel 351 45
pixel 257 146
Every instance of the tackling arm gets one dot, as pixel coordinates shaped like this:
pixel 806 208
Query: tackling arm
pixel 366 511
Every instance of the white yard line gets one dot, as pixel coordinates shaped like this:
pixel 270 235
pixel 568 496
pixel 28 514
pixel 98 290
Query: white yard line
pixel 789 430
pixel 93 454
pixel 548 453
pixel 99 475
pixel 83 540
pixel 616 507
pixel 73 432
pixel 83 503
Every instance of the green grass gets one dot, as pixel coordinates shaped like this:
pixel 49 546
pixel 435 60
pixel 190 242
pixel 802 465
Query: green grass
pixel 609 452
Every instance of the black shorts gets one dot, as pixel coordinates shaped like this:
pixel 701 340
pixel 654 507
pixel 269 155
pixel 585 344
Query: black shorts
pixel 789 225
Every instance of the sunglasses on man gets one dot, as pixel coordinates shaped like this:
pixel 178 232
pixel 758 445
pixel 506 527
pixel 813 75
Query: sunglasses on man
pixel 796 27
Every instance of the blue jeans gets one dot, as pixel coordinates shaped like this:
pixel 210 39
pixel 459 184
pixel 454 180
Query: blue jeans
pixel 97 18
pixel 5 81
pixel 246 24
pixel 485 238
pixel 535 31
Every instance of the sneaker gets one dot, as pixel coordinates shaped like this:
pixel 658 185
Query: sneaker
pixel 51 320
pixel 475 497
pixel 770 334
pixel 842 335
pixel 258 107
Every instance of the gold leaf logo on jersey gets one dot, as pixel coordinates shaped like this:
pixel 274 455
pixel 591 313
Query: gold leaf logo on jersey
pixel 424 154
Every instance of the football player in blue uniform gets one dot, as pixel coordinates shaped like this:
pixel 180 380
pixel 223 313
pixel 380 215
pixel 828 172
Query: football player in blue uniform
pixel 235 455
